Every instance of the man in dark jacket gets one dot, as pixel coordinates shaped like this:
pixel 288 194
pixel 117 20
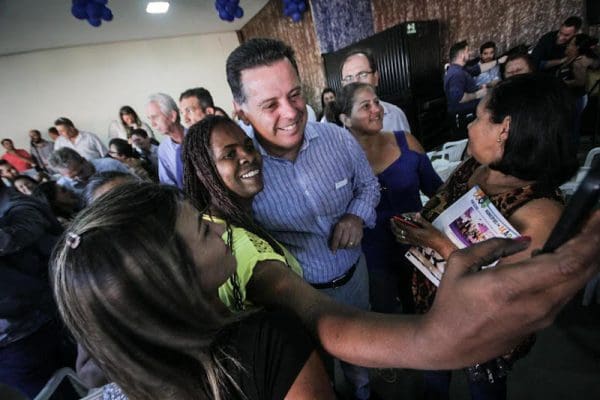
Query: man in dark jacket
pixel 32 342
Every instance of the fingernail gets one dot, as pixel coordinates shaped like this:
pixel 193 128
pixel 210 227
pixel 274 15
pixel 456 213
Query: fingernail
pixel 523 239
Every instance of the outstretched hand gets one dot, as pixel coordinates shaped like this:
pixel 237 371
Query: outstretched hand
pixel 479 315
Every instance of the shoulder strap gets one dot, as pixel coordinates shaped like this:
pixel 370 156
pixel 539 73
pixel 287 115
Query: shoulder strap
pixel 401 140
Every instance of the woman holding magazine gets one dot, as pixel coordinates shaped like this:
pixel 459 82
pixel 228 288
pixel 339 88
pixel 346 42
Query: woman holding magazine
pixel 520 155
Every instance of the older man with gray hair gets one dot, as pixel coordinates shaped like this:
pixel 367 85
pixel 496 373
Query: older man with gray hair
pixel 163 114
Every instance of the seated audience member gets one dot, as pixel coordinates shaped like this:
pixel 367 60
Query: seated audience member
pixel 25 184
pixel 221 112
pixel 520 155
pixel 87 144
pixel 76 170
pixel 122 151
pixel 8 173
pixel 40 150
pixel 549 52
pixel 127 123
pixel 145 148
pixel 579 56
pixel 18 158
pixel 327 100
pixel 163 114
pixel 487 53
pixel 403 170
pixel 359 66
pixel 517 64
pixel 103 182
pixel 53 134
pixel 63 202
pixel 33 343
pixel 195 104
pixel 103 234
pixel 208 352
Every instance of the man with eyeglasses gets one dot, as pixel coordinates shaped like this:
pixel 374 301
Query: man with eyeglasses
pixel 360 66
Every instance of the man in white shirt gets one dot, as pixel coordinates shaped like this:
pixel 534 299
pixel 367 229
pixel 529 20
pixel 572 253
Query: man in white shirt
pixel 359 66
pixel 87 144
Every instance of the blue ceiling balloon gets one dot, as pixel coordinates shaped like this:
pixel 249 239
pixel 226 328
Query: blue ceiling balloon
pixel 94 22
pixel 228 10
pixel 294 9
pixel 78 11
pixel 107 15
pixel 93 10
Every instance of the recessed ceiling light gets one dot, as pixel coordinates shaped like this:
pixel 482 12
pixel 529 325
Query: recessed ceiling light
pixel 157 7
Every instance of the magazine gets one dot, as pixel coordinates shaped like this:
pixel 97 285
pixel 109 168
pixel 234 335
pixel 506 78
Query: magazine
pixel 471 219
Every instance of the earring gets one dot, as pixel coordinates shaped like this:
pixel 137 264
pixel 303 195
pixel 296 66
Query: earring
pixel 499 140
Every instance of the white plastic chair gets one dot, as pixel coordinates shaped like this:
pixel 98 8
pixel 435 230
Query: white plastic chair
pixel 48 390
pixel 571 186
pixel 451 151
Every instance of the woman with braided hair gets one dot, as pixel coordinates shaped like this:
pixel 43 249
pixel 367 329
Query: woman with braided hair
pixel 224 188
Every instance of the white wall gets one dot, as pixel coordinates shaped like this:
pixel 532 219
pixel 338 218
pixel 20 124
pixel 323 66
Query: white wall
pixel 89 84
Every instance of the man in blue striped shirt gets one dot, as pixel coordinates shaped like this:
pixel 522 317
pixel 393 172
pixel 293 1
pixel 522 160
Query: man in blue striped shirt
pixel 319 189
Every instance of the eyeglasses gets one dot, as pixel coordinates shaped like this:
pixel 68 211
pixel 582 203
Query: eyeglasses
pixel 362 75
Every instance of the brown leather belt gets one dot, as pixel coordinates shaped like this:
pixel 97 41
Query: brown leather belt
pixel 337 282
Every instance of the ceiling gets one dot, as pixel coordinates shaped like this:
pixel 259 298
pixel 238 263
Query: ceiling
pixel 29 25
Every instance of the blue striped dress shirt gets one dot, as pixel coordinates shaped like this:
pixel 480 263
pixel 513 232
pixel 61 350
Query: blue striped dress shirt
pixel 303 200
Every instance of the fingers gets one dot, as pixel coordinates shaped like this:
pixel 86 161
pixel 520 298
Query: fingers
pixel 482 254
pixel 346 234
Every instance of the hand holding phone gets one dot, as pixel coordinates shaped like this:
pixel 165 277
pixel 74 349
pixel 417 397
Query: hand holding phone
pixel 406 220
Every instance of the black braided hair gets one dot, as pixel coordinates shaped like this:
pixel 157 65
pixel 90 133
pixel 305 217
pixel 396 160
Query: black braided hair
pixel 203 184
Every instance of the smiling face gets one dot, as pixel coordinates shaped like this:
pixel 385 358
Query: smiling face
pixel 275 107
pixel 367 113
pixel 238 163
pixel 212 257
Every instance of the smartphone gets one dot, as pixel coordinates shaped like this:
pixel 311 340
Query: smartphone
pixel 406 221
pixel 577 210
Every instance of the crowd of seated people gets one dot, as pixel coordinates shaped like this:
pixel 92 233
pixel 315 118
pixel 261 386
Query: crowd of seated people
pixel 257 260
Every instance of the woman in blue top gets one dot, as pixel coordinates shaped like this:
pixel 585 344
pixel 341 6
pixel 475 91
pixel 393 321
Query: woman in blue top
pixel 403 170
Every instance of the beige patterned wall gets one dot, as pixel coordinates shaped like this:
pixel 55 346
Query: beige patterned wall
pixel 507 22
pixel 270 22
